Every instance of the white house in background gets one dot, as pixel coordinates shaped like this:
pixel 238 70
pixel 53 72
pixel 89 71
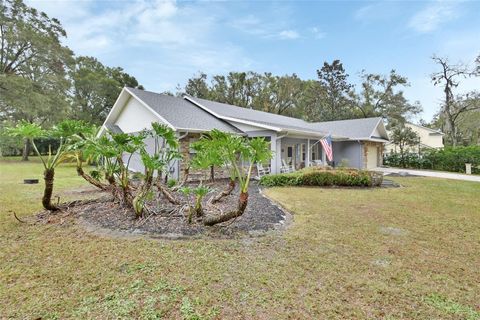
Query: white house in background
pixel 429 139
pixel 294 142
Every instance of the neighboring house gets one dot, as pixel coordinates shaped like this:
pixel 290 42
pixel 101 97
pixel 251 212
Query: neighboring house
pixel 358 142
pixel 429 139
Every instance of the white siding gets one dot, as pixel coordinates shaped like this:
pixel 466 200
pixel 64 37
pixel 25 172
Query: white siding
pixel 427 137
pixel 135 117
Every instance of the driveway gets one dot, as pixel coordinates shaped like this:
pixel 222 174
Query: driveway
pixel 427 173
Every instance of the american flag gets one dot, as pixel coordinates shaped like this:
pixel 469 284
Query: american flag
pixel 327 146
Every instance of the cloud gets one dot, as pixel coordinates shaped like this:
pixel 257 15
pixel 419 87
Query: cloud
pixel 433 16
pixel 288 34
pixel 278 25
pixel 376 12
pixel 161 43
pixel 97 29
pixel 317 33
pixel 253 25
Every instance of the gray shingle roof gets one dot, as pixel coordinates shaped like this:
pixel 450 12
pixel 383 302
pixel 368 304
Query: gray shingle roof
pixel 354 128
pixel 260 117
pixel 182 114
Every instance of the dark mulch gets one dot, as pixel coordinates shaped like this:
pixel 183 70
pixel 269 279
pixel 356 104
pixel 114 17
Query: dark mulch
pixel 261 215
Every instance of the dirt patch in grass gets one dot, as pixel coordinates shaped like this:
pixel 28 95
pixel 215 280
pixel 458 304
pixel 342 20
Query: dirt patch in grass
pixel 107 218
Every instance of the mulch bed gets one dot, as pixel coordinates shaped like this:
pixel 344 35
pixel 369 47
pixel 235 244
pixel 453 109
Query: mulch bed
pixel 106 217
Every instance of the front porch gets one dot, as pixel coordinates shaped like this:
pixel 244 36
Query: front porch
pixel 301 152
pixel 296 152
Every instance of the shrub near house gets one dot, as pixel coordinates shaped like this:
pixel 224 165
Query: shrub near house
pixel 447 159
pixel 324 177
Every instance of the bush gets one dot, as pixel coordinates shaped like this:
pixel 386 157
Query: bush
pixel 323 177
pixel 447 159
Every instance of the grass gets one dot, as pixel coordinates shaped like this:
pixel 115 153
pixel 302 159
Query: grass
pixel 402 253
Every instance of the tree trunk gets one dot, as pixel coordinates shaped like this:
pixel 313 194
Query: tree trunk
pixel 167 194
pixel 224 193
pixel 138 201
pixel 26 149
pixel 198 207
pixel 110 179
pixel 242 205
pixel 48 176
pixel 90 179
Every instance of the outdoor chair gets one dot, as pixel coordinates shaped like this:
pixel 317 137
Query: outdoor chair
pixel 286 168
pixel 261 170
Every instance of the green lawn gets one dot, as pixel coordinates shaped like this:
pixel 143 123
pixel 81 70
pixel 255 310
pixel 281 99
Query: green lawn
pixel 404 253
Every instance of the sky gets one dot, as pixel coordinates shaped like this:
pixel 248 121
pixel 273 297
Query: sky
pixel 163 43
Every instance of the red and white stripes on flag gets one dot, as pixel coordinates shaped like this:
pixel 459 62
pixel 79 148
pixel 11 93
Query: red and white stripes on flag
pixel 327 146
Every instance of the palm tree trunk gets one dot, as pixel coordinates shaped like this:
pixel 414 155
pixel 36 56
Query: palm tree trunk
pixel 48 176
pixel 90 179
pixel 198 207
pixel 26 149
pixel 138 202
pixel 242 205
pixel 224 193
pixel 110 179
pixel 166 193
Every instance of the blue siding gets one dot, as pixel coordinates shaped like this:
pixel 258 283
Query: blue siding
pixel 349 150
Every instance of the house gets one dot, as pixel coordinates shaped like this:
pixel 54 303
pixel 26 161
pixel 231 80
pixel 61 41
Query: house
pixel 357 143
pixel 428 139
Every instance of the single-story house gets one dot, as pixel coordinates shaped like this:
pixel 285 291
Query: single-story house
pixel 428 139
pixel 294 142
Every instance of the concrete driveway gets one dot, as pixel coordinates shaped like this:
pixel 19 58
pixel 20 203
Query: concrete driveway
pixel 427 173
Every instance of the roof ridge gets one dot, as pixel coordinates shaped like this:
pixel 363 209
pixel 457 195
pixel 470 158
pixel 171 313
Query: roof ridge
pixel 354 119
pixel 255 110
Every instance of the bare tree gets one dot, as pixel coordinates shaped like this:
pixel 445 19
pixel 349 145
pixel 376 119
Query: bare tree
pixel 449 78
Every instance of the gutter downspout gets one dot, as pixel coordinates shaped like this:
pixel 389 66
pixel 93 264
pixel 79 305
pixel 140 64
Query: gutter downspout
pixel 178 161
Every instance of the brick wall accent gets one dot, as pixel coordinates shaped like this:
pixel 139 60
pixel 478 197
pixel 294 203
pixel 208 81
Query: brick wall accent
pixel 379 145
pixel 186 156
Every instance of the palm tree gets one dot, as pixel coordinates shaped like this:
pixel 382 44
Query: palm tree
pixel 82 135
pixel 248 151
pixel 200 192
pixel 33 131
pixel 218 149
pixel 165 151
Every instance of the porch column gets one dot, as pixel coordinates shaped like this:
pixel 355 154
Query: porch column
pixel 273 148
pixel 308 152
pixel 278 155
pixel 324 156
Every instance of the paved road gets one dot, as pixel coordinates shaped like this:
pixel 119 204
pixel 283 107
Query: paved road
pixel 436 174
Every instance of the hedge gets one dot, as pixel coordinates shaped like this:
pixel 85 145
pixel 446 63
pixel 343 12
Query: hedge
pixel 447 159
pixel 323 177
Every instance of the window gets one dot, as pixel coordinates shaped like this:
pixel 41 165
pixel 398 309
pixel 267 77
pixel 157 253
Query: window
pixel 289 151
pixel 302 147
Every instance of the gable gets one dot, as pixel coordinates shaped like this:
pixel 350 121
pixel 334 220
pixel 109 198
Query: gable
pixel 135 117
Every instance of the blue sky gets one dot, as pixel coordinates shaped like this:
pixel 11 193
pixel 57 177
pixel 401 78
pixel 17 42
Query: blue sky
pixel 163 43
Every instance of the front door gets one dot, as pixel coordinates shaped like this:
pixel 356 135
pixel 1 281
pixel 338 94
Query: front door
pixel 290 155
pixel 372 157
